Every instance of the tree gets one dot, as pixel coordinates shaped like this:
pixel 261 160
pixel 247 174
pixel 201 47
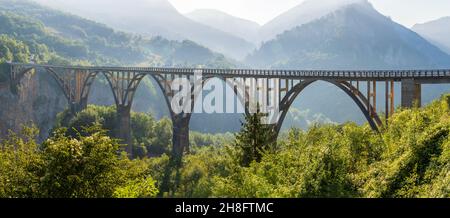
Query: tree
pixel 86 166
pixel 20 163
pixel 138 188
pixel 163 138
pixel 255 138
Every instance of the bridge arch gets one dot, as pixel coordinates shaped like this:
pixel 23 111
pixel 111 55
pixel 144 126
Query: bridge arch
pixel 231 111
pixel 75 85
pixel 233 85
pixel 358 98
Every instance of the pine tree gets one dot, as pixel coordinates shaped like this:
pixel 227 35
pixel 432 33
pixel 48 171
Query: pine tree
pixel 255 138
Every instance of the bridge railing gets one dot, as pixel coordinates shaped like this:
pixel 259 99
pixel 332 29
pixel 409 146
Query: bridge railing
pixel 349 74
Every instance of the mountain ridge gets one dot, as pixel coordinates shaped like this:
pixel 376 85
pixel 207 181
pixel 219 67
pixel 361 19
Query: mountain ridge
pixel 225 22
pixel 436 31
pixel 164 20
pixel 303 13
pixel 355 36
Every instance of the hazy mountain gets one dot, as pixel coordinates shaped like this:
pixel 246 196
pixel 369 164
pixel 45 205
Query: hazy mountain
pixel 78 39
pixel 304 13
pixel 437 32
pixel 151 18
pixel 50 36
pixel 238 27
pixel 355 36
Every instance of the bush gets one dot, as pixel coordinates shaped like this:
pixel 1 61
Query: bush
pixel 86 166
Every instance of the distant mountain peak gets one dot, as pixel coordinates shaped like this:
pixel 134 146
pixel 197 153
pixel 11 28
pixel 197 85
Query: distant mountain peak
pixel 303 13
pixel 225 22
pixel 210 12
pixel 352 37
pixel 436 31
pixel 153 18
pixel 335 2
pixel 440 21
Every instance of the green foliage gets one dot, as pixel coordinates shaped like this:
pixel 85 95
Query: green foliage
pixel 56 37
pixel 317 163
pixel 13 50
pixel 415 160
pixel 139 188
pixel 255 139
pixel 149 137
pixel 201 139
pixel 409 158
pixel 19 164
pixel 85 166
pixel 160 144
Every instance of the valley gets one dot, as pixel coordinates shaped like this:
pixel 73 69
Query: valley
pixel 327 145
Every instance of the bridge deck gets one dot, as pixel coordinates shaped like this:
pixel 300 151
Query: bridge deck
pixel 423 76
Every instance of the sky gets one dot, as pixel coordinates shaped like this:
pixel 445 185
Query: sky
pixel 406 12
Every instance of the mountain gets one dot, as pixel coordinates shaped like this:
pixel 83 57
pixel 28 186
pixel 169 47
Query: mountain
pixel 355 36
pixel 153 18
pixel 305 12
pixel 437 32
pixel 77 39
pixel 30 32
pixel 238 27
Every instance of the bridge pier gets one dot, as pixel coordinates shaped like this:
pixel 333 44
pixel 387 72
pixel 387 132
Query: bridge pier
pixel 76 107
pixel 124 85
pixel 411 93
pixel 180 136
pixel 75 81
pixel 123 127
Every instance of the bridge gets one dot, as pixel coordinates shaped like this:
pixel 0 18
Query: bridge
pixel 76 81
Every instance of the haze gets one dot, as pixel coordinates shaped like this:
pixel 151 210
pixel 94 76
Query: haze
pixel 417 11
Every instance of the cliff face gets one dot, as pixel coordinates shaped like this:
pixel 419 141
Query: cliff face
pixel 37 101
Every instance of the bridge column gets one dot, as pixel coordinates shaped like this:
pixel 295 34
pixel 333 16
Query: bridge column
pixel 123 128
pixel 180 138
pixel 180 121
pixel 124 85
pixel 180 124
pixel 411 93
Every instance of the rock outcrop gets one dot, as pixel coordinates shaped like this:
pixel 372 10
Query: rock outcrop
pixel 38 101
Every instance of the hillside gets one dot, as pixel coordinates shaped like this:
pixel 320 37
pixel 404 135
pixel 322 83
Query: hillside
pixel 154 17
pixel 303 13
pixel 437 32
pixel 409 159
pixel 354 37
pixel 29 32
pixel 78 39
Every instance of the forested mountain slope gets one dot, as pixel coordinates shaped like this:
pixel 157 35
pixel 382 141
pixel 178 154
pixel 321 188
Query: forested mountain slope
pixel 155 17
pixel 32 33
pixel 354 36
